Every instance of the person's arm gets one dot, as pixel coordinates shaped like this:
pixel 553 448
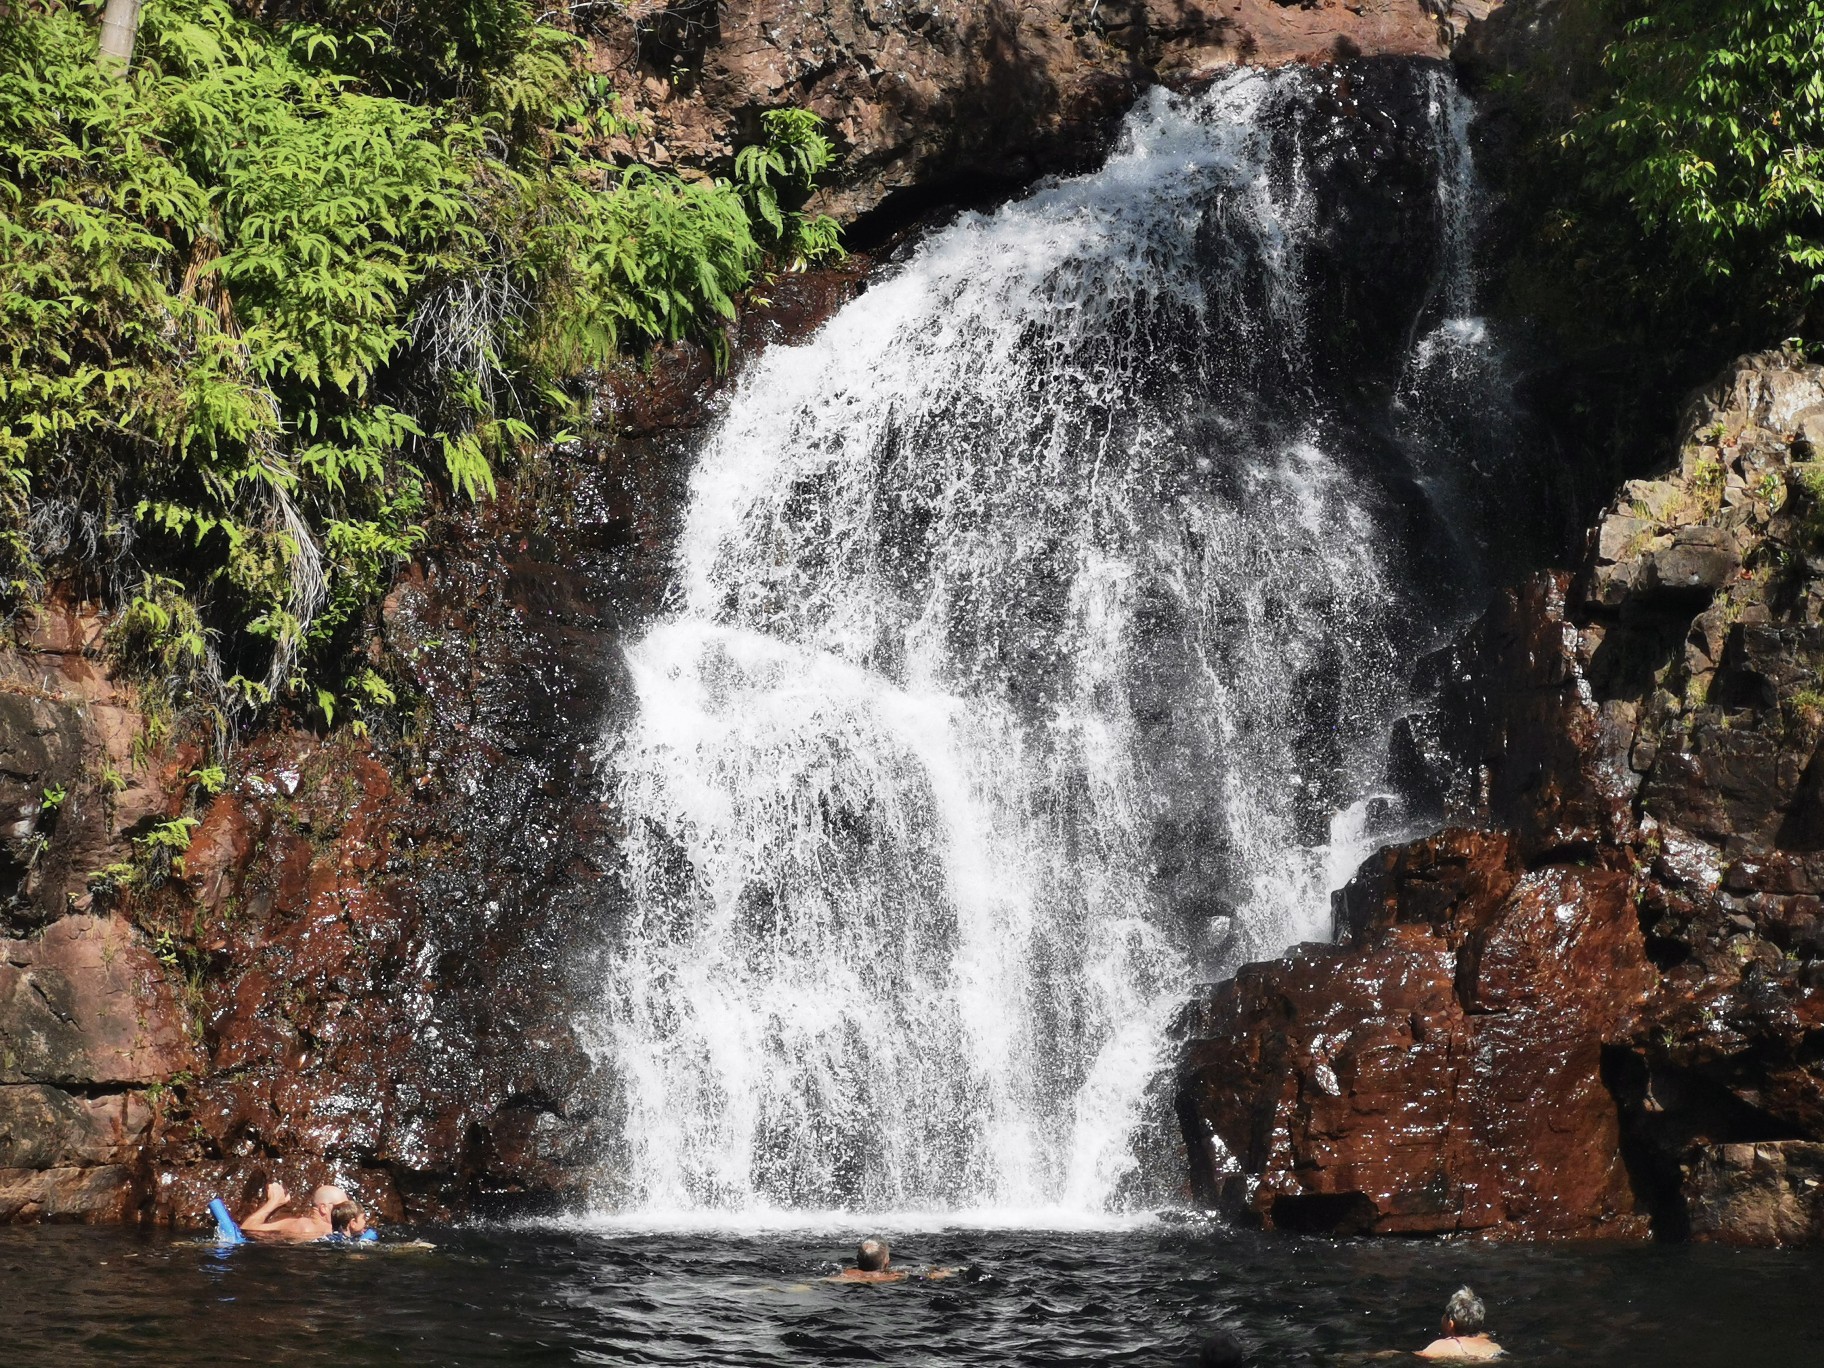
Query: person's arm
pixel 260 1222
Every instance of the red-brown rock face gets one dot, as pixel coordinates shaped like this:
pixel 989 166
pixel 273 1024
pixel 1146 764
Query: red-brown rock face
pixel 935 95
pixel 1596 1005
pixel 91 1025
pixel 1441 1071
pixel 88 1022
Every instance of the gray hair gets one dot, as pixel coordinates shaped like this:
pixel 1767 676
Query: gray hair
pixel 872 1256
pixel 1465 1312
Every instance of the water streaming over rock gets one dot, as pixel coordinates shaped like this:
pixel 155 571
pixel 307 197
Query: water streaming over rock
pixel 1039 625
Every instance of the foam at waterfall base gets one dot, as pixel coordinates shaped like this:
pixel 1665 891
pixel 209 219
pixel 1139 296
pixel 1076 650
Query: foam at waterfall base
pixel 761 1221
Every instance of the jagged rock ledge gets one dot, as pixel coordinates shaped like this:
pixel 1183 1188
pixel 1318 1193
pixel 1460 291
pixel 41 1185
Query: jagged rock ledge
pixel 1592 1005
pixel 933 99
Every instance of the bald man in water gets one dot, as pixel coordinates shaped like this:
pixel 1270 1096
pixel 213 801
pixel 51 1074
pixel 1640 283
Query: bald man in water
pixel 314 1224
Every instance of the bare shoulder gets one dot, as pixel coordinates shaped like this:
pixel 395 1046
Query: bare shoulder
pixel 1462 1350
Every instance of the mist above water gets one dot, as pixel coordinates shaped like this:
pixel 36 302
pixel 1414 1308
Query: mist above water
pixel 1038 629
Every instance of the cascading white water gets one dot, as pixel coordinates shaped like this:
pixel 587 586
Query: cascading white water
pixel 1035 647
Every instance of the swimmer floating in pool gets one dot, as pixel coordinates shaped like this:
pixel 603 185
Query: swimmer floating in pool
pixel 1463 1335
pixel 873 1264
pixel 261 1224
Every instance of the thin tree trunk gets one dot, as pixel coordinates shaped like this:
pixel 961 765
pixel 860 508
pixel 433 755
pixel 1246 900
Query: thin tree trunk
pixel 119 25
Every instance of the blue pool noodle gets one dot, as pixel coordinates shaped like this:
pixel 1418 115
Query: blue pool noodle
pixel 226 1230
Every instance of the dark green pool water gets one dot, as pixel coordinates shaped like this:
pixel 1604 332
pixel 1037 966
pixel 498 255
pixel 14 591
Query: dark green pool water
pixel 1142 1294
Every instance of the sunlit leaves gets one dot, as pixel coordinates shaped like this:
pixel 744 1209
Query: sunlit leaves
pixel 274 289
pixel 1713 135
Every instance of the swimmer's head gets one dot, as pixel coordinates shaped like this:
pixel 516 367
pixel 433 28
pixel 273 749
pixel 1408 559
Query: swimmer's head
pixel 1220 1349
pixel 1465 1313
pixel 347 1218
pixel 327 1198
pixel 873 1255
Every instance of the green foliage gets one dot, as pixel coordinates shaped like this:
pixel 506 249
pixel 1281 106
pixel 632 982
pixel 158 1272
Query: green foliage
pixel 211 779
pixel 782 171
pixel 269 301
pixel 54 797
pixel 1701 159
pixel 161 851
pixel 173 836
pixel 1808 478
pixel 159 633
pixel 113 878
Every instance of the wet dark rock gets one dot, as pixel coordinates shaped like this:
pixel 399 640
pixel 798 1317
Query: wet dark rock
pixel 1437 1074
pixel 929 102
pixel 1604 986
pixel 1764 1194
pixel 395 928
pixel 398 929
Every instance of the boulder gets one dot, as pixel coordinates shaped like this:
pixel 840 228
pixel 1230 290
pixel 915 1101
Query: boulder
pixel 84 1193
pixel 85 1004
pixel 1771 1193
pixel 42 1127
pixel 1701 559
pixel 1443 1072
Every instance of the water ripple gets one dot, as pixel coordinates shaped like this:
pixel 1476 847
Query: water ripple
pixel 1141 1296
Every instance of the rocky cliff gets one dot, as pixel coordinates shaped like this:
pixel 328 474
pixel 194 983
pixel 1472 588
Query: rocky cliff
pixel 91 1025
pixel 354 967
pixel 361 966
pixel 1593 1004
pixel 935 99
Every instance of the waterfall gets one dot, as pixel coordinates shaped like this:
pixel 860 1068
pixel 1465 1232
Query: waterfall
pixel 1038 627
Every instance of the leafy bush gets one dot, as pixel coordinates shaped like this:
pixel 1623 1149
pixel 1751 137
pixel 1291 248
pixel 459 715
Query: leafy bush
pixel 783 170
pixel 1701 160
pixel 270 298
